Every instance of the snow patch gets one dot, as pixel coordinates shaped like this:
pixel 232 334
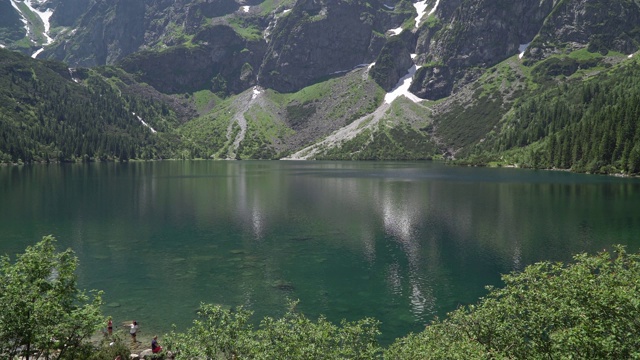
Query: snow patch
pixel 402 88
pixel 522 48
pixel 71 71
pixel 43 15
pixel 256 91
pixel 395 31
pixel 2 46
pixel 434 8
pixel 144 123
pixel 245 9
pixel 421 8
pixel 35 54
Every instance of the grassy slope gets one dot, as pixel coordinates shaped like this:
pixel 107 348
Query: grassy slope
pixel 279 123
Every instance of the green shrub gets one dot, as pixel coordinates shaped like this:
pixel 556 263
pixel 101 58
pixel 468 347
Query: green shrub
pixel 226 334
pixel 585 310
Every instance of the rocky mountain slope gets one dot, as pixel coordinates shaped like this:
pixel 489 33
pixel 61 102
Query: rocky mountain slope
pixel 275 77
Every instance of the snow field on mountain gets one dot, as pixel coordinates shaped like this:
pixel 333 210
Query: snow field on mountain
pixel 395 31
pixel 402 87
pixel 434 8
pixel 43 15
pixel 522 49
pixel 421 8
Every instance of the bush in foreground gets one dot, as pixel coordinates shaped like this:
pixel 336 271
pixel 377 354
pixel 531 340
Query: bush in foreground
pixel 589 309
pixel 225 334
pixel 42 313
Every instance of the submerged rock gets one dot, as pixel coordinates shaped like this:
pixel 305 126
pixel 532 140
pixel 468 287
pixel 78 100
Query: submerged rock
pixel 284 286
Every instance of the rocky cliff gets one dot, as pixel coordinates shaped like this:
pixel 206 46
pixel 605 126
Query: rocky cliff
pixel 293 44
pixel 600 25
pixel 218 60
pixel 475 56
pixel 11 27
pixel 466 35
pixel 319 38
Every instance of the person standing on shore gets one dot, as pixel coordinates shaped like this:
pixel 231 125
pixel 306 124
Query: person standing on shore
pixel 110 327
pixel 133 331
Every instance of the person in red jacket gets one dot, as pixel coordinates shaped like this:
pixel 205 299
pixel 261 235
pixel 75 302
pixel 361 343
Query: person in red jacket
pixel 155 348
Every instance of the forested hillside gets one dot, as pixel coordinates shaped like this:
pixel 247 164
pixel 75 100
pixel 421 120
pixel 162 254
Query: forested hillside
pixel 584 125
pixel 49 112
pixel 547 84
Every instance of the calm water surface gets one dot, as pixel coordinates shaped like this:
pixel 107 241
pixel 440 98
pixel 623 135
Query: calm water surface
pixel 401 242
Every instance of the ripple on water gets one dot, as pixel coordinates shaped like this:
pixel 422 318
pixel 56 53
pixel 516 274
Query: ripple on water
pixel 203 258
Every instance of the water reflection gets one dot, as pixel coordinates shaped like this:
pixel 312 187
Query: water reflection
pixel 397 241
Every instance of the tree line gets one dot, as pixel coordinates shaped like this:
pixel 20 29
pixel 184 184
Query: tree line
pixel 46 116
pixel 586 126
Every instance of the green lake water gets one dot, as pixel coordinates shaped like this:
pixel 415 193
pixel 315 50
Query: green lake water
pixel 399 241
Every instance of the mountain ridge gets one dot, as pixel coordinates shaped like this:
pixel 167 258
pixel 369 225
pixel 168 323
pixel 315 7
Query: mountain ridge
pixel 324 65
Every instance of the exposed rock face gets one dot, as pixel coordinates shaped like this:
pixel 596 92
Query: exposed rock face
pixel 601 25
pixel 222 61
pixel 318 38
pixel 108 32
pixel 11 28
pixel 392 63
pixel 185 45
pixel 471 34
pixel 67 12
pixel 323 37
pixel 432 82
pixel 105 31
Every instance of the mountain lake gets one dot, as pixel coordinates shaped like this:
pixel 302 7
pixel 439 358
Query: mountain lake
pixel 402 242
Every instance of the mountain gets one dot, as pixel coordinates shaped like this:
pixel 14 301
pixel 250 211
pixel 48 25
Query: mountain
pixel 357 79
pixel 51 113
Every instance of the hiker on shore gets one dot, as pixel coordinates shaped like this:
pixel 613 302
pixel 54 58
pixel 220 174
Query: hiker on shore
pixel 133 330
pixel 155 347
